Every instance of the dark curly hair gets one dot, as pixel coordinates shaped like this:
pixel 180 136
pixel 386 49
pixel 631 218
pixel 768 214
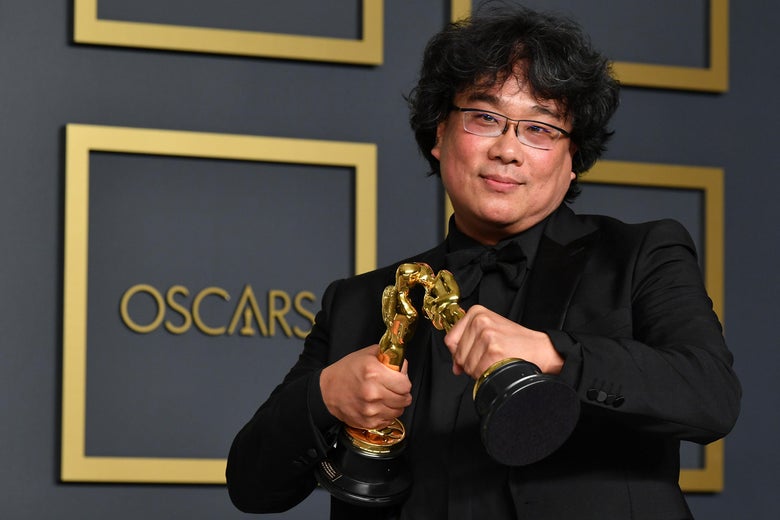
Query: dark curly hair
pixel 557 59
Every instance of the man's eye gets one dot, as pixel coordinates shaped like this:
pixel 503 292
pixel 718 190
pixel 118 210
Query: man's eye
pixel 537 129
pixel 486 119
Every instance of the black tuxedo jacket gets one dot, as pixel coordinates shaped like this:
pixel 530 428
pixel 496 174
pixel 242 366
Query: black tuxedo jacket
pixel 624 305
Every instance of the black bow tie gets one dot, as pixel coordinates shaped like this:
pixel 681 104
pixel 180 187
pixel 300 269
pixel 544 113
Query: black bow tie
pixel 468 265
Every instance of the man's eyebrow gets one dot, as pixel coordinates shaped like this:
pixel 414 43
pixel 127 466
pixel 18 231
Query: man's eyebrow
pixel 547 111
pixel 483 96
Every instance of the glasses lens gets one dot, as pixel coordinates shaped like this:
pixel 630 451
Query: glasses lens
pixel 483 123
pixel 537 135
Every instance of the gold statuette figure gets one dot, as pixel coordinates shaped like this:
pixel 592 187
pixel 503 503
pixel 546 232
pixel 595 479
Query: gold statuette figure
pixel 440 305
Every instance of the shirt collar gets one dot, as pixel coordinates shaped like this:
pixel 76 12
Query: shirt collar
pixel 528 239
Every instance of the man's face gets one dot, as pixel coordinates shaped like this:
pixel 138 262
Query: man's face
pixel 497 185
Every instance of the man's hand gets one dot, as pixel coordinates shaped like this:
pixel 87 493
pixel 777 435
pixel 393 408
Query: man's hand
pixel 482 338
pixel 362 392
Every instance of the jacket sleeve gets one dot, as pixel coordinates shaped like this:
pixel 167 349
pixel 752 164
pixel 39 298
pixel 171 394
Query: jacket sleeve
pixel 272 458
pixel 655 361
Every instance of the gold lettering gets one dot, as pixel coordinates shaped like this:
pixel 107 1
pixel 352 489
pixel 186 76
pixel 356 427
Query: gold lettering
pixel 246 313
pixel 199 323
pixel 178 308
pixel 124 302
pixel 275 314
pixel 247 329
pixel 306 313
pixel 247 298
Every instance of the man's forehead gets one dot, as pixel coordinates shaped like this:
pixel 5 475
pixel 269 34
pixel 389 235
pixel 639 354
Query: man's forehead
pixel 497 92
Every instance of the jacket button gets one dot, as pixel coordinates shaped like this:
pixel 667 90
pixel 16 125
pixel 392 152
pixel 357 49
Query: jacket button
pixel 619 400
pixel 592 394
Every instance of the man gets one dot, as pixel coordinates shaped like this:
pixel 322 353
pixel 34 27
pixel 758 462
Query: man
pixel 511 107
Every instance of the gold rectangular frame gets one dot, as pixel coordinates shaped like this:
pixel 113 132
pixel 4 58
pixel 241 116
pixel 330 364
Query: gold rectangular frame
pixel 76 466
pixel 714 78
pixel 88 28
pixel 710 182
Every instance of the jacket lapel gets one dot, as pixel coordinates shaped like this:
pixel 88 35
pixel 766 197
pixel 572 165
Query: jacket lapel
pixel 560 260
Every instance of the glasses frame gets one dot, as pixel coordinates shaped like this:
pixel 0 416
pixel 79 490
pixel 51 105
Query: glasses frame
pixel 462 110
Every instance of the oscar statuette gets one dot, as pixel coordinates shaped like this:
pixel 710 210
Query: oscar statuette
pixel 525 415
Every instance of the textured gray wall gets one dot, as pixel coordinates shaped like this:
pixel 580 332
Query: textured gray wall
pixel 48 82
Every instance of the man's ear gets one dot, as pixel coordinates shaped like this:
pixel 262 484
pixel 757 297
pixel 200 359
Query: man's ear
pixel 573 149
pixel 436 150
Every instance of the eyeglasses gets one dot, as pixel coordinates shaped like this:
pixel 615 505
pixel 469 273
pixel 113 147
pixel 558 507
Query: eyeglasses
pixel 531 133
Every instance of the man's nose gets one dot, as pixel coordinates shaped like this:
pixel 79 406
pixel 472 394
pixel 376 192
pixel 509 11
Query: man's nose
pixel 506 146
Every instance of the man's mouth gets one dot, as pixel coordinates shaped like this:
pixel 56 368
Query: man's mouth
pixel 500 181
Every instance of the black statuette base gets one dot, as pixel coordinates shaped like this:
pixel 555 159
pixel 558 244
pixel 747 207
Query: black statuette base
pixel 525 415
pixel 364 478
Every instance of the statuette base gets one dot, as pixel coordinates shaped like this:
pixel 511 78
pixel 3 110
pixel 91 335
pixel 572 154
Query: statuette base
pixel 355 475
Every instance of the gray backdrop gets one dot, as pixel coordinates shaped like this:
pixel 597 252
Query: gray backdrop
pixel 48 82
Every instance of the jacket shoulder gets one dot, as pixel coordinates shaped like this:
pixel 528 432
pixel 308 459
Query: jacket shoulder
pixel 628 234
